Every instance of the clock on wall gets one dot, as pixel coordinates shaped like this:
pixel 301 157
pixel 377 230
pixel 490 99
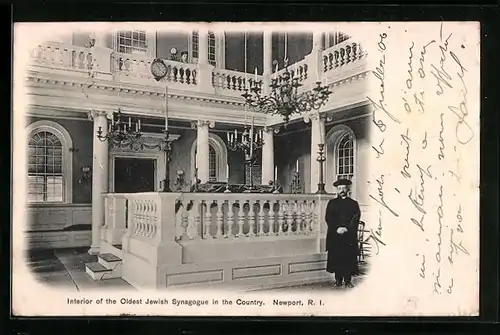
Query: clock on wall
pixel 158 69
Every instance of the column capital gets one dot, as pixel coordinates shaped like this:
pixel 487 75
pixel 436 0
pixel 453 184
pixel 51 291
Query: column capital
pixel 315 115
pixel 271 129
pixel 202 123
pixel 96 113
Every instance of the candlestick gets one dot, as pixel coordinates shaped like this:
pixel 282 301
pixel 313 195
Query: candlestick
pixel 166 107
pixel 321 131
pixel 255 77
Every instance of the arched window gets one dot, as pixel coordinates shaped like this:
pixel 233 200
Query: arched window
pixel 345 157
pixel 212 163
pixel 49 163
pixel 340 157
pixel 217 153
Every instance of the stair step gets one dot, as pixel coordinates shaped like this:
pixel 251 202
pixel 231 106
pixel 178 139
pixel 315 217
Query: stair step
pixel 110 258
pixel 97 267
pixel 118 246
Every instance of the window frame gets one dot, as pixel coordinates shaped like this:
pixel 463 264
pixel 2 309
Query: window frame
pixel 67 157
pixel 333 139
pixel 220 59
pixel 150 43
pixel 220 149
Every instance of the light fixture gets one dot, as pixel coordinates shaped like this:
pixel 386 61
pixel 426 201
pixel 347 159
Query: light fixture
pixel 250 140
pixel 86 175
pixel 121 133
pixel 284 99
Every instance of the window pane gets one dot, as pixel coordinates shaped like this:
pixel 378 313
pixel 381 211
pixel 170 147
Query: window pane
pixel 212 164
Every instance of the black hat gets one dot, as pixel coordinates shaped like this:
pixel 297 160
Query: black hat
pixel 342 182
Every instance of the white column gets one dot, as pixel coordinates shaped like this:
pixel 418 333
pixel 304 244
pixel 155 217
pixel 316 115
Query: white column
pixel 100 39
pixel 99 177
pixel 268 59
pixel 204 75
pixel 202 150
pixel 318 41
pixel 101 55
pixel 203 46
pixel 317 137
pixel 268 156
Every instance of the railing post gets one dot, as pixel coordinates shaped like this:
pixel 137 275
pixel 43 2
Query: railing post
pixel 102 62
pixel 204 78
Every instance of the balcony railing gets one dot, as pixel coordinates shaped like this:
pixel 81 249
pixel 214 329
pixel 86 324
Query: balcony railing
pixel 205 216
pixel 342 60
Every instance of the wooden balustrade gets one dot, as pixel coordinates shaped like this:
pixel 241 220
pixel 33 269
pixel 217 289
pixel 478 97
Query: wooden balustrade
pixel 144 215
pixel 342 54
pixel 233 216
pixel 233 81
pixel 186 76
pixel 115 219
pixel 57 55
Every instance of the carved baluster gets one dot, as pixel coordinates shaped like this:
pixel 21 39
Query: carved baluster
pixel 342 56
pixel 228 233
pixel 299 217
pixel 336 56
pixel 315 223
pixel 241 218
pixel 207 220
pixel 251 218
pixel 281 218
pixel 194 220
pixel 290 217
pixel 275 211
pixel 262 218
pixel 354 54
pixel 220 219
pixel 180 223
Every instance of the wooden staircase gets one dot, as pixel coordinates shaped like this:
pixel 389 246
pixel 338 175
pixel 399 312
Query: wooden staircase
pixel 108 266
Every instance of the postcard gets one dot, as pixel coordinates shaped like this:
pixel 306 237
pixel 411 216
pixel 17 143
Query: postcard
pixel 246 169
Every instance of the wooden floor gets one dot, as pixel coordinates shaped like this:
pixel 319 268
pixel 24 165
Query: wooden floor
pixel 64 268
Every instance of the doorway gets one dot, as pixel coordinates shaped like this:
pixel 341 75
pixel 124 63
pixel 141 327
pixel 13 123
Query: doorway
pixel 134 175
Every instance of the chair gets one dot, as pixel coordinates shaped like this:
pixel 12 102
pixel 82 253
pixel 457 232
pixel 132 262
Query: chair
pixel 364 246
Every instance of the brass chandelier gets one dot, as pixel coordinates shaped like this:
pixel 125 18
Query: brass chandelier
pixel 284 98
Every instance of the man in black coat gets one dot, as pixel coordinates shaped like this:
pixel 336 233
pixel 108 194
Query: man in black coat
pixel 342 218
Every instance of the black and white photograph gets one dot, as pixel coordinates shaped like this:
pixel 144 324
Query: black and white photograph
pixel 171 168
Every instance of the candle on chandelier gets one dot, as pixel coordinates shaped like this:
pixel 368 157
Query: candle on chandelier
pixel 227 172
pixel 139 124
pixel 136 127
pixel 129 123
pixel 276 72
pixel 228 137
pixel 275 173
pixel 297 165
pixel 255 77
